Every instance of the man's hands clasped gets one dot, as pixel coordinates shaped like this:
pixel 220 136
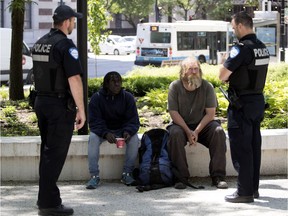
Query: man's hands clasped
pixel 110 137
pixel 192 138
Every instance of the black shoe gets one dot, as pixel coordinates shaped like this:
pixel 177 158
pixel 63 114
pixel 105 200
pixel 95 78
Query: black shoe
pixel 60 210
pixel 235 198
pixel 219 182
pixel 256 194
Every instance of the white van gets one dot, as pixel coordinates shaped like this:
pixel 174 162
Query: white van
pixel 5 53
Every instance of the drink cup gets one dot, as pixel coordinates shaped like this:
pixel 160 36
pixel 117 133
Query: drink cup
pixel 120 142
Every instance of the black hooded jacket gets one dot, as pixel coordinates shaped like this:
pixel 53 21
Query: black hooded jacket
pixel 108 113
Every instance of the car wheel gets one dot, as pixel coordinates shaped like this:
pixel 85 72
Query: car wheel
pixel 30 77
pixel 116 52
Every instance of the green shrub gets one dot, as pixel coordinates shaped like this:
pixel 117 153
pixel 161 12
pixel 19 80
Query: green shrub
pixel 150 86
pixel 94 85
pixel 3 93
pixel 156 100
pixel 9 111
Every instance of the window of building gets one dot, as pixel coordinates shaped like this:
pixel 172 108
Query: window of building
pixel 118 20
pixel 2 13
pixel 28 15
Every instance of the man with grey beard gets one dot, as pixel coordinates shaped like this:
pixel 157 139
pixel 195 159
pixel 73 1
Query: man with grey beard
pixel 192 105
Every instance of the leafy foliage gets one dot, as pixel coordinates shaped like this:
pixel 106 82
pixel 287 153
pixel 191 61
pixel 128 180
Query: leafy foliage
pixel 11 125
pixel 97 23
pixel 156 100
pixel 132 10
pixel 150 86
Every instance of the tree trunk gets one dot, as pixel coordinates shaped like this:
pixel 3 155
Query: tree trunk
pixel 16 74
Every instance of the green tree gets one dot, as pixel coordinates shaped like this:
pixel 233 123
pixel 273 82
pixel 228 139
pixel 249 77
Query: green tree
pixel 98 18
pixel 132 10
pixel 17 8
pixel 214 9
pixel 99 13
pixel 201 9
pixel 179 7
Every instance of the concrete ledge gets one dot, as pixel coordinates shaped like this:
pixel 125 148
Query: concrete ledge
pixel 20 158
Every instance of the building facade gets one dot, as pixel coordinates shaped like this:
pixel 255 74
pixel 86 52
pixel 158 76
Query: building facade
pixel 38 18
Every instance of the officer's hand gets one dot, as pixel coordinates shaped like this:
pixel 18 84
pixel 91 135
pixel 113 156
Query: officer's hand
pixel 126 136
pixel 80 119
pixel 110 138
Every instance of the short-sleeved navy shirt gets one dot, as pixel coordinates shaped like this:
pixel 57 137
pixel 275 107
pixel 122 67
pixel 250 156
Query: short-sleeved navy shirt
pixel 240 55
pixel 66 54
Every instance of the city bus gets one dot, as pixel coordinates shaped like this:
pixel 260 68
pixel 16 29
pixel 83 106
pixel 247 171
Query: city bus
pixel 207 40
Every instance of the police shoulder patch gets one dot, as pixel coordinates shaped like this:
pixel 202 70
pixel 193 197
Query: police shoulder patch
pixel 234 52
pixel 74 53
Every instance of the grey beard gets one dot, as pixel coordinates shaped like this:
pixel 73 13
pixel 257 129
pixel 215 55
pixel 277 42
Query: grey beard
pixel 195 81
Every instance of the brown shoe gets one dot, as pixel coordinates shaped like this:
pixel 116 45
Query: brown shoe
pixel 219 182
pixel 236 198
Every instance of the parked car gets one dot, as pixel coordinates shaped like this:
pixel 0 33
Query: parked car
pixel 115 44
pixel 132 40
pixel 5 53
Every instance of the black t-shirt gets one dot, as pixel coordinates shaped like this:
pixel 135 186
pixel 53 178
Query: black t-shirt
pixel 66 54
pixel 240 55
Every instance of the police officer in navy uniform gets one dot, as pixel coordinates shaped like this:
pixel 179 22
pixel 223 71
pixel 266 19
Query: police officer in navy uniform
pixel 245 70
pixel 59 105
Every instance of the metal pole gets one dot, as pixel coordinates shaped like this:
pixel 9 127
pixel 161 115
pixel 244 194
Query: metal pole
pixel 282 30
pixel 156 11
pixel 82 47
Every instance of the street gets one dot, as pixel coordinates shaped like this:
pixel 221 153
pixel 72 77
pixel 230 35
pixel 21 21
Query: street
pixel 99 65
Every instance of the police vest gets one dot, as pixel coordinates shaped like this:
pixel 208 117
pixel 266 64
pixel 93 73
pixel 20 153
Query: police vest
pixel 250 79
pixel 49 76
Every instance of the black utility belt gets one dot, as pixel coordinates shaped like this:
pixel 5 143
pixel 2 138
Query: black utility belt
pixel 250 94
pixel 52 94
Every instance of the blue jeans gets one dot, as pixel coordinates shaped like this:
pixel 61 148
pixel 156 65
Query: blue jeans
pixel 94 153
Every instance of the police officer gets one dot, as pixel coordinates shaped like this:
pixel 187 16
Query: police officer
pixel 58 82
pixel 245 70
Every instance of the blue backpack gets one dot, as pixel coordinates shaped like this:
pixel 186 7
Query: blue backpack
pixel 155 168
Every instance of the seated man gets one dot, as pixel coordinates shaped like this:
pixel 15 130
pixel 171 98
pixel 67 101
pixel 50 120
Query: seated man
pixel 192 105
pixel 112 113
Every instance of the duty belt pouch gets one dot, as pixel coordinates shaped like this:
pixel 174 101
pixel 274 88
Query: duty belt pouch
pixel 32 96
pixel 234 99
pixel 71 106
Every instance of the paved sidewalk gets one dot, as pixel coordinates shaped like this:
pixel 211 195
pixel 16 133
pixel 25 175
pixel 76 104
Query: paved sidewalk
pixel 116 199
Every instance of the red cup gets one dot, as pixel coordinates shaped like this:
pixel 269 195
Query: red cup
pixel 120 142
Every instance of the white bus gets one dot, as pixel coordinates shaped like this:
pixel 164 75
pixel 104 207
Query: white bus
pixel 204 39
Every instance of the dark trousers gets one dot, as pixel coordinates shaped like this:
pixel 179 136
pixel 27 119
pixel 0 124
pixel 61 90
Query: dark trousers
pixel 212 136
pixel 245 142
pixel 56 124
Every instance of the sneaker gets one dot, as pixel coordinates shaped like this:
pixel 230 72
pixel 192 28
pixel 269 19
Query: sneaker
pixel 127 179
pixel 236 198
pixel 219 182
pixel 93 183
pixel 180 185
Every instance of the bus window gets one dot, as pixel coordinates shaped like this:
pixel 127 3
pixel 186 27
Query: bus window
pixel 185 40
pixel 160 37
pixel 201 43
pixel 222 45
